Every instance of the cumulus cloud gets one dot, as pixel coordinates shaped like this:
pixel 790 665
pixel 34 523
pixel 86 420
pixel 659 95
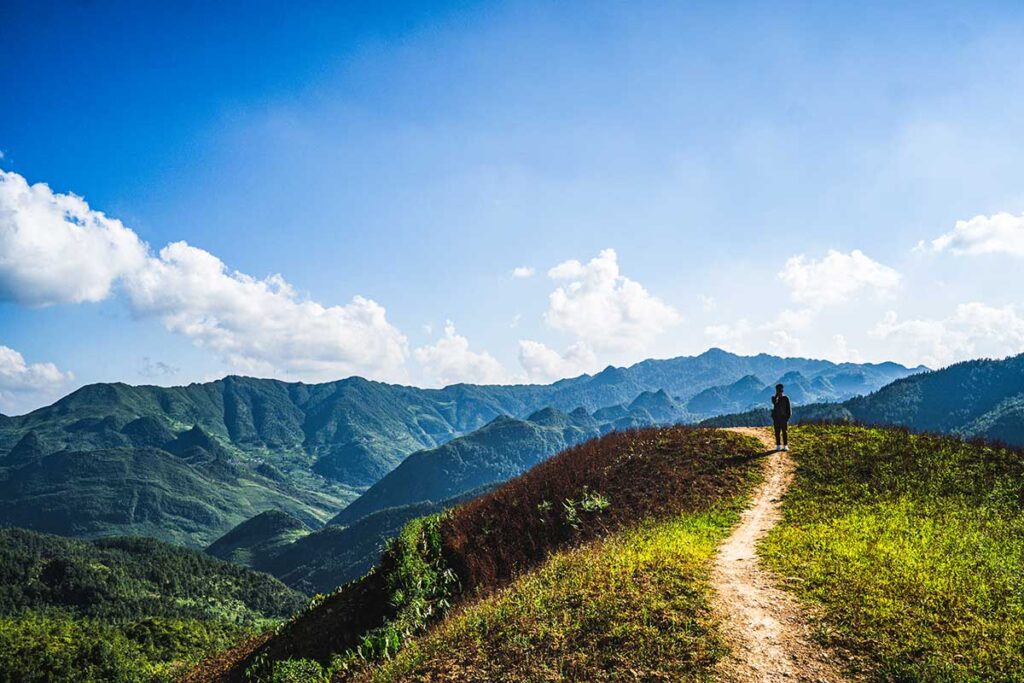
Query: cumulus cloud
pixel 605 310
pixel 784 343
pixel 264 326
pixel 746 337
pixel 1000 233
pixel 730 336
pixel 973 330
pixel 450 360
pixel 55 249
pixel 523 272
pixel 841 351
pixel 836 278
pixel 544 364
pixel 20 380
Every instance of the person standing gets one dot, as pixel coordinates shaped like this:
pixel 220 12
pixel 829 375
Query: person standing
pixel 781 412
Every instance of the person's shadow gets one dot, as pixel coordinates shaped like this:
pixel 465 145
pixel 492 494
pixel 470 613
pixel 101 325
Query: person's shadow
pixel 740 459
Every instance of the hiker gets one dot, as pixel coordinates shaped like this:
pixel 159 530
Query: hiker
pixel 781 412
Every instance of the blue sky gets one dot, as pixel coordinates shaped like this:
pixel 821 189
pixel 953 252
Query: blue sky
pixel 357 183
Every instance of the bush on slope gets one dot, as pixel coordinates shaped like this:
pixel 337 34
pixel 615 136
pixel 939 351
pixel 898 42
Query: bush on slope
pixel 914 545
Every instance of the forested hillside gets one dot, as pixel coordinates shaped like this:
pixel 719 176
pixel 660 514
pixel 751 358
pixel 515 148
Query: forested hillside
pixel 122 609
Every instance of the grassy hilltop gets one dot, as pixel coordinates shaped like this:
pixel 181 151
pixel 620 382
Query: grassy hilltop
pixel 914 547
pixel 594 566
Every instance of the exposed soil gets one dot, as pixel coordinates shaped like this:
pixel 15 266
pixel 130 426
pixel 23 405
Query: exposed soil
pixel 768 632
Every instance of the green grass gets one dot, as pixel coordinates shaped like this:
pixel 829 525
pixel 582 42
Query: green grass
pixel 914 546
pixel 633 606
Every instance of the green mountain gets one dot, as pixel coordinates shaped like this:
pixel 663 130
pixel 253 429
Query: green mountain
pixel 254 540
pixel 978 398
pixel 187 464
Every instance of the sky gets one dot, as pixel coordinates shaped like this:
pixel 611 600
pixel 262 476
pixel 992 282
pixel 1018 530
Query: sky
pixel 429 193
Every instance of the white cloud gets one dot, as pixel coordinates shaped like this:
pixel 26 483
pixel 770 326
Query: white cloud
pixel 835 278
pixel 1000 233
pixel 708 303
pixel 972 331
pixel 730 336
pixel 19 379
pixel 841 351
pixel 544 364
pixel 745 337
pixel 55 249
pixel 523 272
pixel 789 319
pixel 604 309
pixel 263 326
pixel 782 343
pixel 450 361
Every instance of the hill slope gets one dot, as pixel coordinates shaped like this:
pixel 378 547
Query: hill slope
pixel 586 493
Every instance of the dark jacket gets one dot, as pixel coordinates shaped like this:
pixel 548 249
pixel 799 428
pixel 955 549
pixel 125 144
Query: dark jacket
pixel 781 410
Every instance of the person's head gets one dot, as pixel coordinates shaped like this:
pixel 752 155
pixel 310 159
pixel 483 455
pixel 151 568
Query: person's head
pixel 778 388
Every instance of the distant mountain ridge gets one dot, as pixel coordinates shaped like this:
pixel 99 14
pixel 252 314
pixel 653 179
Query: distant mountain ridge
pixel 188 463
pixel 979 398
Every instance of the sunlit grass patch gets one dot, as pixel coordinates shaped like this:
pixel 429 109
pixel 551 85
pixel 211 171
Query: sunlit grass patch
pixel 914 545
pixel 631 607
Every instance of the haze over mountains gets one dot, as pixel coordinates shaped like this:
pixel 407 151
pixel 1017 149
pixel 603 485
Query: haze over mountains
pixel 186 464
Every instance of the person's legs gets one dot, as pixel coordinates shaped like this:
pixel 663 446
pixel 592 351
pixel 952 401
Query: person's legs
pixel 778 433
pixel 785 434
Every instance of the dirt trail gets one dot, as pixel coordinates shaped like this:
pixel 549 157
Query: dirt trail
pixel 768 632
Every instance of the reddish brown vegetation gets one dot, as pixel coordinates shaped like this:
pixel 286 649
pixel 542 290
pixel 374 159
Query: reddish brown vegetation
pixel 643 474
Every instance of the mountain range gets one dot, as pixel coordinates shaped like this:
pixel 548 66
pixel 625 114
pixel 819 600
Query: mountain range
pixel 186 464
